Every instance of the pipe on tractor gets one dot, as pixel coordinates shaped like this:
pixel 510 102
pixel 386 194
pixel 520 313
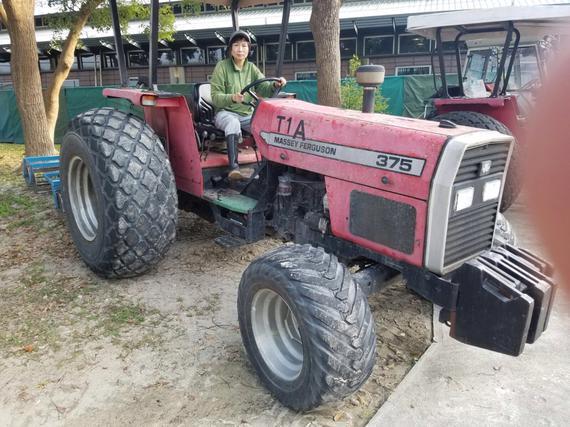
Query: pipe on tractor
pixel 369 77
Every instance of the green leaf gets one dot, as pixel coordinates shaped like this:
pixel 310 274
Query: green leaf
pixel 129 11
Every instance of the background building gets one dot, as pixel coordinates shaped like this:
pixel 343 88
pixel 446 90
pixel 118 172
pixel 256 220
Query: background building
pixel 375 30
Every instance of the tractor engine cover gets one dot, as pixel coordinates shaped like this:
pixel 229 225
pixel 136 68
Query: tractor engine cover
pixel 395 154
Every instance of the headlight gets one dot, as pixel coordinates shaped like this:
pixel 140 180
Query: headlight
pixel 464 198
pixel 491 190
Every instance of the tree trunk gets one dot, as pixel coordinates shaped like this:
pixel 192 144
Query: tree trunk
pixel 26 76
pixel 64 65
pixel 325 26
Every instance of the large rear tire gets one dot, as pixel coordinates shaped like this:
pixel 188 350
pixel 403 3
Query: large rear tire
pixel 483 121
pixel 118 192
pixel 306 326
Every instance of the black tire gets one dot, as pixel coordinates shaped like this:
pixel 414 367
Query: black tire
pixel 483 121
pixel 118 192
pixel 335 326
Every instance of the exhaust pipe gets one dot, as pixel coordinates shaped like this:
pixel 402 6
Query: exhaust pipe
pixel 369 77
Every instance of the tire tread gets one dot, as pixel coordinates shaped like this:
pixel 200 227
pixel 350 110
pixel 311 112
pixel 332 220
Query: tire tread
pixel 337 319
pixel 137 187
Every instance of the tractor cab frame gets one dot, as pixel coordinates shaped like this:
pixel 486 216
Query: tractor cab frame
pixel 505 29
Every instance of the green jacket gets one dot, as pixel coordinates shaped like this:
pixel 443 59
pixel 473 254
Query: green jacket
pixel 227 79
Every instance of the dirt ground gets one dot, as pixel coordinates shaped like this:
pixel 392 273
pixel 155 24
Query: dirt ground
pixel 163 348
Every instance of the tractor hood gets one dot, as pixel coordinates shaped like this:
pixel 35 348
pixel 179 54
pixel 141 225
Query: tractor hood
pixel 394 154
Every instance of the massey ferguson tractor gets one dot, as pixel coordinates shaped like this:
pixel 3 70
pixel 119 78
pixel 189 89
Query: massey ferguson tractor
pixel 361 196
pixel 504 67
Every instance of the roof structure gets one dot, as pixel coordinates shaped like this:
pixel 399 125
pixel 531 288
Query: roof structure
pixel 267 20
pixel 533 22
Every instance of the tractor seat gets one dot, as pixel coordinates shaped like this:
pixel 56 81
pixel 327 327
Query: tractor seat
pixel 202 108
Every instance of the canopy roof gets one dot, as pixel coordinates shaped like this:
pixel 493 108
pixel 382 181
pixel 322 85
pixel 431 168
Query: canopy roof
pixel 533 22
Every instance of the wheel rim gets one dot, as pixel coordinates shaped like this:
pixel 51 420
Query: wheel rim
pixel 82 198
pixel 276 334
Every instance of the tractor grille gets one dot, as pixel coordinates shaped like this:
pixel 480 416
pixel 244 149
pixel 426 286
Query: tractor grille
pixel 469 168
pixel 470 232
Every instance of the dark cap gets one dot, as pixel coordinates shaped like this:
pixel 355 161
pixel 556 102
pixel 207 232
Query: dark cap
pixel 239 34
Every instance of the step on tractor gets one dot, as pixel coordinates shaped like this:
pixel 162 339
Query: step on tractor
pixel 360 197
pixel 506 61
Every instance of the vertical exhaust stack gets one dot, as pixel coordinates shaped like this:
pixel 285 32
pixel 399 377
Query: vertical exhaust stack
pixel 369 77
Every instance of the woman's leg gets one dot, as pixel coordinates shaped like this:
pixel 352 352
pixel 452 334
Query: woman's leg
pixel 230 124
pixel 245 122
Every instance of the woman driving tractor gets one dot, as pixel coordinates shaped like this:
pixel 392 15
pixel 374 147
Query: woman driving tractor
pixel 233 108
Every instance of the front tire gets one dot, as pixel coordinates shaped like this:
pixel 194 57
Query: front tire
pixel 483 121
pixel 118 193
pixel 306 326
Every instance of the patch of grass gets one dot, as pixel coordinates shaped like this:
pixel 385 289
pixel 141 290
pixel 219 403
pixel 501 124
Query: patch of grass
pixel 34 275
pixel 117 316
pixel 11 156
pixel 20 207
pixel 11 203
pixel 21 223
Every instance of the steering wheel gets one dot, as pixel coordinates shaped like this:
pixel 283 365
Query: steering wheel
pixel 255 83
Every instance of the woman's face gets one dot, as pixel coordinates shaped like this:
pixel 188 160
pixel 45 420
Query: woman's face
pixel 240 50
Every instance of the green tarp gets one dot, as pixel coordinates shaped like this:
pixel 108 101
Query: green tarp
pixel 74 101
pixel 392 89
pixel 417 90
pixel 405 96
pixel 10 127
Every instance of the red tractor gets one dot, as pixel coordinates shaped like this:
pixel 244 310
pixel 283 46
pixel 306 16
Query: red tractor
pixel 504 68
pixel 373 194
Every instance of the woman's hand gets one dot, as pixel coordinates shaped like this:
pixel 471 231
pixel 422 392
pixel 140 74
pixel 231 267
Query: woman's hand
pixel 282 82
pixel 238 98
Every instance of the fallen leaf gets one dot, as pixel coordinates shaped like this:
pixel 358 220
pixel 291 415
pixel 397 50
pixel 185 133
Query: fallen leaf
pixel 28 348
pixel 339 416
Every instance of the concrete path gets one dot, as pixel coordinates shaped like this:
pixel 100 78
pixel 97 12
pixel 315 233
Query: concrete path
pixel 454 384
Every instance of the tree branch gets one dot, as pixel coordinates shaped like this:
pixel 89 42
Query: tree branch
pixel 51 96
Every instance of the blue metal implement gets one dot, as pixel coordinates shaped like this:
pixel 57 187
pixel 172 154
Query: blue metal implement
pixel 33 168
pixel 42 173
pixel 55 185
